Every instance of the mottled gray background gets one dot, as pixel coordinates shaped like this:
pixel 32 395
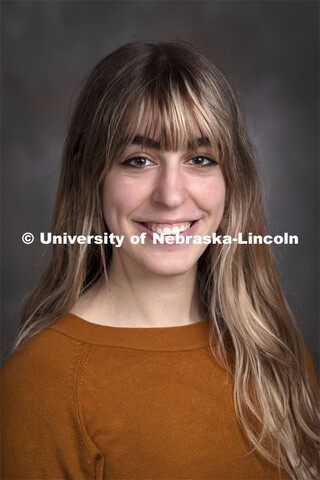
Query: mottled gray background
pixel 270 49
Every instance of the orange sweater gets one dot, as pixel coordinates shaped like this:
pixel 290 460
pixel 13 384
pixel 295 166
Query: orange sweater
pixel 84 401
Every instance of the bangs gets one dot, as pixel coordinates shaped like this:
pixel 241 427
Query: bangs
pixel 176 118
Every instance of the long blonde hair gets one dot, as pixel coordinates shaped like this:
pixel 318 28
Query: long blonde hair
pixel 252 329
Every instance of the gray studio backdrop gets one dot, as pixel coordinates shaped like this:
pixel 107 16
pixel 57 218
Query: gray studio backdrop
pixel 270 50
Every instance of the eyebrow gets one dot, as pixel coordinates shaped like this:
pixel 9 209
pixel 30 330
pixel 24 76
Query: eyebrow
pixel 150 143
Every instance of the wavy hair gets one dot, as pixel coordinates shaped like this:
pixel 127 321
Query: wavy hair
pixel 253 332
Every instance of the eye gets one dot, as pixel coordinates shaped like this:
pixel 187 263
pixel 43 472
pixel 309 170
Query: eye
pixel 137 162
pixel 202 161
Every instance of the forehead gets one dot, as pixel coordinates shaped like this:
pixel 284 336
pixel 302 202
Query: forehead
pixel 169 129
pixel 154 144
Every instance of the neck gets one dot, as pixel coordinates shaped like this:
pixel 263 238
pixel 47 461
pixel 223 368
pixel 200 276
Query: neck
pixel 135 298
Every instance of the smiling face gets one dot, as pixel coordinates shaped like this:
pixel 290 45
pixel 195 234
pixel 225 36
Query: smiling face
pixel 153 190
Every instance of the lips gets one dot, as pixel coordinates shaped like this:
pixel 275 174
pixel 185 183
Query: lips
pixel 168 229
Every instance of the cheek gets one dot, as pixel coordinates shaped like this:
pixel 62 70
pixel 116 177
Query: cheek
pixel 211 195
pixel 120 197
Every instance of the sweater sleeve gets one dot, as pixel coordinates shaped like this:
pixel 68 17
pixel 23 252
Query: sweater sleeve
pixel 42 435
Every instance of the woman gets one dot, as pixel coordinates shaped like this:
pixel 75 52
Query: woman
pixel 158 360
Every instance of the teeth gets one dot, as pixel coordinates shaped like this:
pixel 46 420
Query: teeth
pixel 175 231
pixel 172 230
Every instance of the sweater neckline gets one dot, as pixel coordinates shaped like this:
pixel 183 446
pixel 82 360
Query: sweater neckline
pixel 185 337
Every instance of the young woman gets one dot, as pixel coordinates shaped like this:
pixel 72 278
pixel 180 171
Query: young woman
pixel 159 360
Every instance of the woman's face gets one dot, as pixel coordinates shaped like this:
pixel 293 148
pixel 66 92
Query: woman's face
pixel 149 190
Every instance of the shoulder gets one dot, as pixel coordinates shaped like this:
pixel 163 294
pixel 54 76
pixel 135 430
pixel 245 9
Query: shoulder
pixel 40 422
pixel 45 365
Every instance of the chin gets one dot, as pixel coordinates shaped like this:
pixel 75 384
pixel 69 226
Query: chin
pixel 170 265
pixel 169 270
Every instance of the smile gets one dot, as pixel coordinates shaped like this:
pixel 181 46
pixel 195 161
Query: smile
pixel 168 229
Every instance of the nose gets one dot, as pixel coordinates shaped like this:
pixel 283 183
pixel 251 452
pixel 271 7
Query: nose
pixel 170 188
